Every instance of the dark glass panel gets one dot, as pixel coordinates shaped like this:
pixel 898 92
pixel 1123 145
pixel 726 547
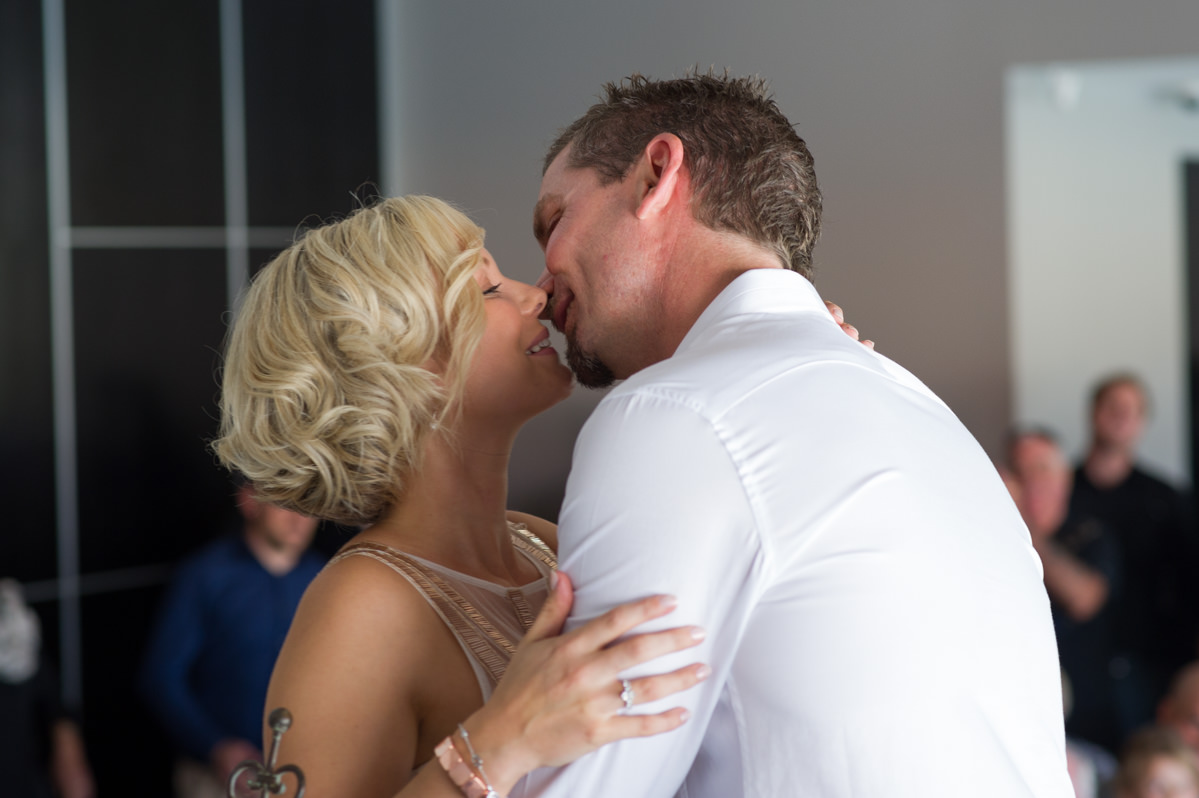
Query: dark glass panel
pixel 144 83
pixel 149 327
pixel 312 133
pixel 27 544
pixel 261 257
pixel 129 753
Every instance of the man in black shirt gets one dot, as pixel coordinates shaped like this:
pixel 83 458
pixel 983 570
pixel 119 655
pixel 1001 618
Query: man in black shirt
pixel 1154 618
pixel 1081 562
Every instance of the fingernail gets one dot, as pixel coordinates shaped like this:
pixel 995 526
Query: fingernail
pixel 698 633
pixel 668 601
pixel 553 580
pixel 684 716
pixel 702 672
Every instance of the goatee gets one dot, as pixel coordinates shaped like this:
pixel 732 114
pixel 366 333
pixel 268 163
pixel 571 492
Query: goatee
pixel 590 371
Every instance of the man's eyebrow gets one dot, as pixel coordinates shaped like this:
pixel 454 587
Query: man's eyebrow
pixel 539 213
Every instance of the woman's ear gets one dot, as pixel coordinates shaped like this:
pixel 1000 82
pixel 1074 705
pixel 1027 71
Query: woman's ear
pixel 660 172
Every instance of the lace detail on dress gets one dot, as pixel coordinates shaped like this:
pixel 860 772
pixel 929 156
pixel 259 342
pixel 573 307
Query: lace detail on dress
pixel 487 636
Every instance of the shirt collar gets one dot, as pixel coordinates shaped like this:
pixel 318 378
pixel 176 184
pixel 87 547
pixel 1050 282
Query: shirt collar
pixel 756 291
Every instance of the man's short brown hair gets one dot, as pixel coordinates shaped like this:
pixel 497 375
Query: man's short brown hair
pixel 751 172
pixel 1112 381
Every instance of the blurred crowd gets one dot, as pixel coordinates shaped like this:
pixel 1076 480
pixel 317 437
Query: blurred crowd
pixel 1118 548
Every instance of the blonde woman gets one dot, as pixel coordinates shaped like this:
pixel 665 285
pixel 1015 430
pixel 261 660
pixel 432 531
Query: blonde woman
pixel 376 375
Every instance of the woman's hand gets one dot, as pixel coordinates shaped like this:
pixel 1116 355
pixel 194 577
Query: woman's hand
pixel 561 695
pixel 847 328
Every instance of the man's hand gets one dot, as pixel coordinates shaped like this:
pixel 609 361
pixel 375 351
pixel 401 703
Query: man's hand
pixel 848 329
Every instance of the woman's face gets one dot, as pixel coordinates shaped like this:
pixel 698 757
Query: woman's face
pixel 515 373
pixel 1166 777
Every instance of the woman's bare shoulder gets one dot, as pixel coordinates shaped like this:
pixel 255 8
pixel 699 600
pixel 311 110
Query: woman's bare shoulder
pixel 358 610
pixel 546 530
pixel 353 679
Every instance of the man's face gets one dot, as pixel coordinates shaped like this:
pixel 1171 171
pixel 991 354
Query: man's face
pixel 603 282
pixel 280 529
pixel 1044 478
pixel 285 529
pixel 1119 416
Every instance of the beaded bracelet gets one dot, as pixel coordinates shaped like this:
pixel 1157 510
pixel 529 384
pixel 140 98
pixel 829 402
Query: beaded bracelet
pixel 473 784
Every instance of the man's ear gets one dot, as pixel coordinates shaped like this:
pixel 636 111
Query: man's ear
pixel 660 173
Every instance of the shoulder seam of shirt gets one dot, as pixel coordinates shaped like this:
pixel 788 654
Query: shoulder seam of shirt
pixel 684 402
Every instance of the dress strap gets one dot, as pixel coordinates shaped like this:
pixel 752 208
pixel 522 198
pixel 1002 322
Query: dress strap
pixel 491 648
pixel 532 545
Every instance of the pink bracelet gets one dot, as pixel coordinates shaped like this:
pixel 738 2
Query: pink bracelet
pixel 471 784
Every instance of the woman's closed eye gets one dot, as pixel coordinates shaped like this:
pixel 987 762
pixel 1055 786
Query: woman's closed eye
pixel 493 291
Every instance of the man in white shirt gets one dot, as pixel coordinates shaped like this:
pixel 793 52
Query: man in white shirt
pixel 877 624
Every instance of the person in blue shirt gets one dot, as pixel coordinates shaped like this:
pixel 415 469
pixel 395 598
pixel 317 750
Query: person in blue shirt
pixel 218 633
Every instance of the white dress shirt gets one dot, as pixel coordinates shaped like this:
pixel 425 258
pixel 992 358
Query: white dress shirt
pixel 876 620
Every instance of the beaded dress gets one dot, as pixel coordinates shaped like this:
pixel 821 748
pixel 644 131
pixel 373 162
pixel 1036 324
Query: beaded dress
pixel 488 620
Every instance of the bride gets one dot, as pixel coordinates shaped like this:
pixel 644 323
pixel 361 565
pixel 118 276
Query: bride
pixel 377 375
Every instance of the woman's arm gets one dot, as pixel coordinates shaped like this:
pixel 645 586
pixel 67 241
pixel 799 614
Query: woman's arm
pixel 562 696
pixel 350 674
pixel 369 672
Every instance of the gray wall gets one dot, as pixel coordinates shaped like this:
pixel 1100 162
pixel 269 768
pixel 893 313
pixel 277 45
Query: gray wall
pixel 902 103
pixel 1096 153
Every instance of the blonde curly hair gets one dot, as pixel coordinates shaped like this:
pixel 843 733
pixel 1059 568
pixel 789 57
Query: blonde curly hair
pixel 348 348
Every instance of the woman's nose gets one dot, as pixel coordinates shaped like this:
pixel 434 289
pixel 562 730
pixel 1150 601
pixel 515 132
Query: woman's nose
pixel 535 300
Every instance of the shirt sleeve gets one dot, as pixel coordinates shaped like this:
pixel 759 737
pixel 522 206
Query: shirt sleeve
pixel 165 680
pixel 655 504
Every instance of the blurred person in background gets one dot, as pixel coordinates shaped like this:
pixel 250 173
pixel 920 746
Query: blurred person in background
pixel 1081 561
pixel 219 631
pixel 1157 764
pixel 1155 616
pixel 1179 709
pixel 1092 768
pixel 41 749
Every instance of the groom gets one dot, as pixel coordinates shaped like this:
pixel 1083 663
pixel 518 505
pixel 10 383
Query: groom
pixel 877 624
